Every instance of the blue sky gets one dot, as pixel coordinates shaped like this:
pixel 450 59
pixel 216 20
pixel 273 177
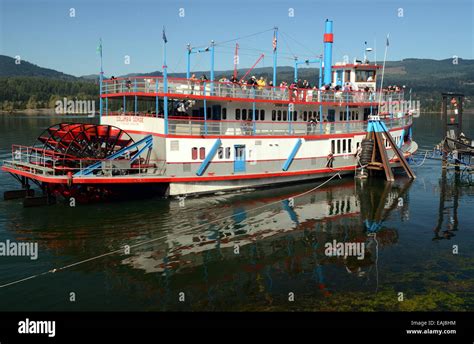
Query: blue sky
pixel 44 33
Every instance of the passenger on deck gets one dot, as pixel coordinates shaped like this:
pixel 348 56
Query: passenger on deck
pixel 311 127
pixel 252 82
pixel 128 84
pixel 203 81
pixel 193 80
pixel 114 83
pixel 261 83
pixel 293 91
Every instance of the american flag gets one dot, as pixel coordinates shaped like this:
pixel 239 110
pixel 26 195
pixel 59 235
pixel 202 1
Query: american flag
pixel 274 43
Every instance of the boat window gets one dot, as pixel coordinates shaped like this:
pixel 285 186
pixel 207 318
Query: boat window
pixel 237 114
pixel 349 145
pixel 262 115
pixel 194 153
pixel 348 76
pixel 224 113
pixel 344 150
pixel 340 116
pixel 256 114
pixel 273 115
pixel 305 116
pixel 295 115
pixel 338 146
pixel 279 115
pixel 364 75
pixel 333 148
pixel 202 153
pixel 285 115
pixel 244 114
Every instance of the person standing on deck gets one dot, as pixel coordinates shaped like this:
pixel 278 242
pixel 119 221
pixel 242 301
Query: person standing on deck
pixel 192 82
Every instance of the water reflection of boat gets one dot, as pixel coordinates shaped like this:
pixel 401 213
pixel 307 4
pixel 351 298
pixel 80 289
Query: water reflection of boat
pixel 280 238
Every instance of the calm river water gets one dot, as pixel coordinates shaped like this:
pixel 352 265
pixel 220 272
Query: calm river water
pixel 266 255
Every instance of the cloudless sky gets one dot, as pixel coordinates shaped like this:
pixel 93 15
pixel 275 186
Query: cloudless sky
pixel 44 33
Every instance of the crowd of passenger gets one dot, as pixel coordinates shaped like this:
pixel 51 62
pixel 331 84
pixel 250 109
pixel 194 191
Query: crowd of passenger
pixel 296 90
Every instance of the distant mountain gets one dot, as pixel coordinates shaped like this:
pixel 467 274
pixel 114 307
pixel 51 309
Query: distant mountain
pixel 426 77
pixel 9 68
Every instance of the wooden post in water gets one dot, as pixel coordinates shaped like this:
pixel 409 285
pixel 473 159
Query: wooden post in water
pixel 380 161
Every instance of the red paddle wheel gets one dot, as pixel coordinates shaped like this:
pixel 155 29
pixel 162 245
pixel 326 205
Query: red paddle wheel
pixel 70 147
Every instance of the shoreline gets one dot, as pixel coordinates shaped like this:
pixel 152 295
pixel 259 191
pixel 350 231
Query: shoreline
pixel 29 112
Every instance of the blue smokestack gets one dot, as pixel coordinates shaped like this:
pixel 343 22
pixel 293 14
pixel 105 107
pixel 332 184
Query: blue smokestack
pixel 328 40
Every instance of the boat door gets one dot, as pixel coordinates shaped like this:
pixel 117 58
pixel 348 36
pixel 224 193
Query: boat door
pixel 216 112
pixel 331 115
pixel 239 158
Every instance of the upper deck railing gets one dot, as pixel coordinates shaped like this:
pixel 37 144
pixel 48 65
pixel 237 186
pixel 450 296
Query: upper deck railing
pixel 187 88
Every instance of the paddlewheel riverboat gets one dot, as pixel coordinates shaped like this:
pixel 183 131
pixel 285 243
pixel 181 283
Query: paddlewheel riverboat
pixel 181 136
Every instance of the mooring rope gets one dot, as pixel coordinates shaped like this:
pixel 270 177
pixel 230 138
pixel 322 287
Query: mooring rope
pixel 337 174
pixel 422 162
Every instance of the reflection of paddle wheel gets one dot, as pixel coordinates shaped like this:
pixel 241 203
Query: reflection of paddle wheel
pixel 74 146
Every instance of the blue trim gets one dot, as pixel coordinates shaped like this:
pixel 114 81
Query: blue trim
pixel 292 155
pixel 209 157
pixel 165 86
pixel 308 62
pixel 327 54
pixel 147 140
pixel 376 126
pixel 212 68
pixel 188 67
pixel 400 144
pixel 373 226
